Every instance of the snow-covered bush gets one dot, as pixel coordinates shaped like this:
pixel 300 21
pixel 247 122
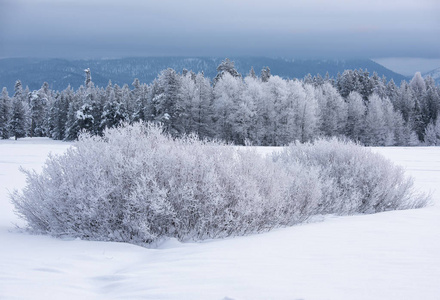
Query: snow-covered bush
pixel 353 178
pixel 136 184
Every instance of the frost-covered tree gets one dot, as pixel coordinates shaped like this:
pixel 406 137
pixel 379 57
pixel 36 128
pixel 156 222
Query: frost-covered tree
pixel 378 85
pixel 355 116
pixel 276 96
pixel 265 74
pixel 187 94
pixel 392 93
pixel 227 92
pixel 430 102
pixel 417 83
pixel 38 106
pixel 114 111
pixel 393 123
pixel 265 111
pixel 72 125
pixel 165 101
pixel 253 93
pixel 195 97
pixel 88 80
pixel 226 67
pixel 58 117
pixel 243 116
pixel 252 73
pixel 5 114
pixel 333 110
pixel 432 133
pixel 375 127
pixel 365 87
pixel 345 83
pixel 18 123
pixel 139 97
pixel 202 109
pixel 302 108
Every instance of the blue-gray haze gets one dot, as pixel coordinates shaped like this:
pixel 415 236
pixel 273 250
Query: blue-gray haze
pixel 300 28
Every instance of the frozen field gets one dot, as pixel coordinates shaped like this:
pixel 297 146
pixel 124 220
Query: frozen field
pixel 393 255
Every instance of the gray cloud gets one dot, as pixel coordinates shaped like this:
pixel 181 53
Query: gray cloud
pixel 302 28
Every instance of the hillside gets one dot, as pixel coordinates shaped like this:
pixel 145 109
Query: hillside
pixel 59 73
pixel 435 74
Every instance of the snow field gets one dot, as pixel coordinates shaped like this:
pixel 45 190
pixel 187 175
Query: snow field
pixel 392 255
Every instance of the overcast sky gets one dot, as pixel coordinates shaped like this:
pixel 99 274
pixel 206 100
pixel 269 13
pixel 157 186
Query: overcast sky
pixel 287 28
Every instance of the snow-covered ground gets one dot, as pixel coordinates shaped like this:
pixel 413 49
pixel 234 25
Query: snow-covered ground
pixel 393 255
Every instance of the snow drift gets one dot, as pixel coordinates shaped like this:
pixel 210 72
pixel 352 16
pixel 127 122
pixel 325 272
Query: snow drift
pixel 136 184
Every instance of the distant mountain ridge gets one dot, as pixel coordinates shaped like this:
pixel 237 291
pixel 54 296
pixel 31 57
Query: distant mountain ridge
pixel 59 73
pixel 435 74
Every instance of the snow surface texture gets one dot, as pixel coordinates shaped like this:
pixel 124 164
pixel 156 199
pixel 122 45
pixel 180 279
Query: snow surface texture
pixel 392 255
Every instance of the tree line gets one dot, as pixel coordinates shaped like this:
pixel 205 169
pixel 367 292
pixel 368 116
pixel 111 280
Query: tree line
pixel 260 110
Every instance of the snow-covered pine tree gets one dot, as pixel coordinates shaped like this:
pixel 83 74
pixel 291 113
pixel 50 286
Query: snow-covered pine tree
pixel 252 73
pixel 18 123
pixel 432 133
pixel 38 107
pixel 265 74
pixel 5 114
pixel 226 66
pixel 58 117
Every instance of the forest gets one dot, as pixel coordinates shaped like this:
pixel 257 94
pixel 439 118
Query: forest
pixel 251 109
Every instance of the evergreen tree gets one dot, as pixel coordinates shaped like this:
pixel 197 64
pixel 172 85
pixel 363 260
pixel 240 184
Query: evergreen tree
pixel 392 93
pixel 378 86
pixel 114 111
pixel 5 114
pixel 88 81
pixel 318 80
pixel 139 96
pixel 58 117
pixel 165 103
pixel 226 67
pixel 72 126
pixel 265 74
pixel 366 84
pixel 265 111
pixel 430 102
pixel 38 106
pixel 252 73
pixel 345 83
pixel 18 123
pixel 308 79
pixel 430 135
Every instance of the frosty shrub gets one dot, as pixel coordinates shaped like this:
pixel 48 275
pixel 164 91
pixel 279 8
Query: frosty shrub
pixel 353 178
pixel 136 184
